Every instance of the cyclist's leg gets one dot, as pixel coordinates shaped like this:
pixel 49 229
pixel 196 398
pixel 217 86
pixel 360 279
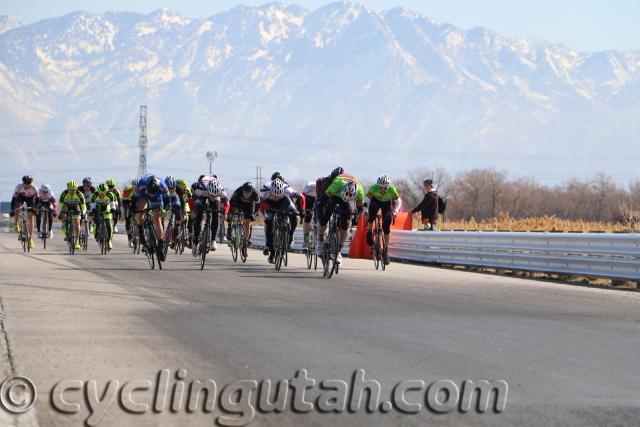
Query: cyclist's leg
pixel 215 218
pixel 50 218
pixel 232 210
pixel 110 226
pixel 268 230
pixel 324 209
pixel 62 216
pixel 344 217
pixel 372 212
pixel 31 216
pixel 39 206
pixel 197 224
pixel 387 217
pixel 139 203
pixel 248 217
pixel 77 212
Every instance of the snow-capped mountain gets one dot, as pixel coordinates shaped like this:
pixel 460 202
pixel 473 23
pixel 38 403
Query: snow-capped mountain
pixel 301 91
pixel 8 23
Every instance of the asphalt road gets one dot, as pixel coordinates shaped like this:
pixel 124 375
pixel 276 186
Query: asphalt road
pixel 569 354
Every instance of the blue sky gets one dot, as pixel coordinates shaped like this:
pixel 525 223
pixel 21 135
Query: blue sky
pixel 585 25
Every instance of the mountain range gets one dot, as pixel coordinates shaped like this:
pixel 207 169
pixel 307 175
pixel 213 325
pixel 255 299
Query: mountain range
pixel 301 91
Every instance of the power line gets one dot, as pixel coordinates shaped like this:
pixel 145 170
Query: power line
pixel 26 133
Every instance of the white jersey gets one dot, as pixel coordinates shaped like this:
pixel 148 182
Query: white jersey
pixel 310 189
pixel 265 192
pixel 46 197
pixel 22 190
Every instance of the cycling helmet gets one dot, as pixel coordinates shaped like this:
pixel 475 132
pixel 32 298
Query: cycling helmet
pixel 349 191
pixel 110 182
pixel 134 182
pixel 27 179
pixel 384 181
pixel 248 187
pixel 45 188
pixel 153 186
pixel 87 181
pixel 72 185
pixel 181 183
pixel 277 175
pixel 214 187
pixel 277 188
pixel 337 171
pixel 171 183
pixel 102 188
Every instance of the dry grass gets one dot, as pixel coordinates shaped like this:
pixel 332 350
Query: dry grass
pixel 550 224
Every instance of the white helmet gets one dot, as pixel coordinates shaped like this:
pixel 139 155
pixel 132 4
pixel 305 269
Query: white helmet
pixel 349 191
pixel 384 181
pixel 45 188
pixel 214 187
pixel 277 188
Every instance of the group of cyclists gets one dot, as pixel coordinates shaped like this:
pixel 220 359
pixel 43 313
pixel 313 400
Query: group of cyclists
pixel 338 193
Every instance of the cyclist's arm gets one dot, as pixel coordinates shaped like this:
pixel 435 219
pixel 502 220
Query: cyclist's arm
pixel 83 203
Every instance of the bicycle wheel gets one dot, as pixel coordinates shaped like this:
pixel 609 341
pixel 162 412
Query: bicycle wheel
pixel 84 235
pixel 308 254
pixel 44 227
pixel 285 245
pixel 149 253
pixel 105 238
pixel 243 244
pixel 234 243
pixel 205 235
pixel 332 254
pixel 156 247
pixel 375 249
pixel 71 237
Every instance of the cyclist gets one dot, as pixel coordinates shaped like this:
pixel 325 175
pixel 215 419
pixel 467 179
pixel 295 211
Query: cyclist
pixel 46 201
pixel 87 189
pixel 150 192
pixel 127 195
pixel 117 196
pixel 208 192
pixel 309 192
pixel 103 205
pixel 24 193
pixel 175 201
pixel 382 196
pixel 343 193
pixel 276 199
pixel 296 198
pixel 184 194
pixel 244 199
pixel 72 203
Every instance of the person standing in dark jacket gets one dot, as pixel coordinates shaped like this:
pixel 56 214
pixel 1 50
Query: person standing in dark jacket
pixel 428 207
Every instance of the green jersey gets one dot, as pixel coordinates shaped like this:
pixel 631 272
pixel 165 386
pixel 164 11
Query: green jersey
pixel 389 195
pixel 335 188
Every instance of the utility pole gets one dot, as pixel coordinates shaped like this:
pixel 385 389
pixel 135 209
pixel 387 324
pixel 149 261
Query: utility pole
pixel 211 156
pixel 142 142
pixel 258 176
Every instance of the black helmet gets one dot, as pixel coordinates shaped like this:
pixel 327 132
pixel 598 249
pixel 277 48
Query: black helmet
pixel 27 179
pixel 277 175
pixel 153 186
pixel 87 181
pixel 247 187
pixel 337 171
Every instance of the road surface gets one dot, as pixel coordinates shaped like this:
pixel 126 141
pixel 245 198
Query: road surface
pixel 569 354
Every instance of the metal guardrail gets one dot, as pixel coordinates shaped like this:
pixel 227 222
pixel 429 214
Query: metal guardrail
pixel 258 239
pixel 615 256
pixel 595 255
